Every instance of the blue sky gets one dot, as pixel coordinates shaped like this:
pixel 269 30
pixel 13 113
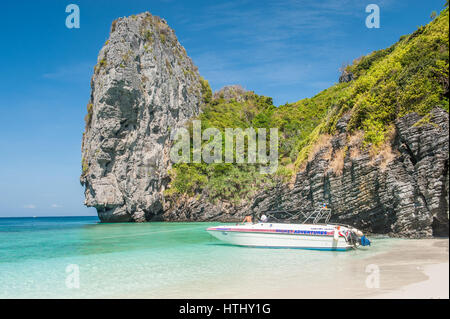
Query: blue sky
pixel 288 50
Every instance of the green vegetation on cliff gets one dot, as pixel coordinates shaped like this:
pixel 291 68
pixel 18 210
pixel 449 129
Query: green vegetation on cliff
pixel 410 76
pixel 233 182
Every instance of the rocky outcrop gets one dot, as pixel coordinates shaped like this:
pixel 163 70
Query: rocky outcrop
pixel 346 77
pixel 144 86
pixel 229 92
pixel 402 192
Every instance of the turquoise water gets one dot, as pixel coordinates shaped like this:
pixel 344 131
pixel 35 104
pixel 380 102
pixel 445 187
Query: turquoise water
pixel 151 260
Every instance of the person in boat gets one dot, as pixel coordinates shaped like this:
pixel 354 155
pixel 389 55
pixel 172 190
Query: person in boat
pixel 263 218
pixel 247 219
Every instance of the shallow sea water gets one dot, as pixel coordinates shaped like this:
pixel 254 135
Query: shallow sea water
pixel 153 260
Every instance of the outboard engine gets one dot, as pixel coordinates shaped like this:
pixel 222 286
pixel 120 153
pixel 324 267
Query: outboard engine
pixel 352 238
pixel 355 237
pixel 364 241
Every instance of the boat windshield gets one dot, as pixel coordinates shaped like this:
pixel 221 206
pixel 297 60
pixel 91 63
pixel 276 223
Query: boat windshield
pixel 317 216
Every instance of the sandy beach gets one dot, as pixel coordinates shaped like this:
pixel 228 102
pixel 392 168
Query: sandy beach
pixel 417 269
pixel 408 269
pixel 436 286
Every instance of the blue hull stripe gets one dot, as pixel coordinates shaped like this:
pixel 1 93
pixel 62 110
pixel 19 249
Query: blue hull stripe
pixel 288 247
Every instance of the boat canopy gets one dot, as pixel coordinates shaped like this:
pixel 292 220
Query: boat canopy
pixel 317 216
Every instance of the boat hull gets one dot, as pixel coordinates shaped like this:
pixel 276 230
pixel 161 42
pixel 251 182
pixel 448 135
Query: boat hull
pixel 274 238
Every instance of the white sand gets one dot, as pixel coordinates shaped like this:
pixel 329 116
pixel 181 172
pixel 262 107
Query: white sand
pixel 415 269
pixel 407 269
pixel 436 286
pixel 410 269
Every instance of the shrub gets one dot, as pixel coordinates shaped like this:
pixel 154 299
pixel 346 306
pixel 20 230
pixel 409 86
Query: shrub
pixel 84 166
pixel 113 25
pixel 103 62
pixel 148 35
pixel 337 163
pixel 88 117
pixel 162 37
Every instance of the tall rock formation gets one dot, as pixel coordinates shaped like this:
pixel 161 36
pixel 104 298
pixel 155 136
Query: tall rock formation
pixel 143 86
pixel 403 192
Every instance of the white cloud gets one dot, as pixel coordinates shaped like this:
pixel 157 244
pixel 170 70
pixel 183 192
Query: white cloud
pixel 70 72
pixel 29 206
pixel 294 44
pixel 55 206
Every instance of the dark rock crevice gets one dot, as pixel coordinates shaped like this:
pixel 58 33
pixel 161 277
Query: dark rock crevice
pixel 441 219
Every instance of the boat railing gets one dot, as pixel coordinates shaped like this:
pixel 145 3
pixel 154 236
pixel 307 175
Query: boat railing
pixel 317 216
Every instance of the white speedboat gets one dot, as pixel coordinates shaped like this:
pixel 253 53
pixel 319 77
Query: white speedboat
pixel 304 235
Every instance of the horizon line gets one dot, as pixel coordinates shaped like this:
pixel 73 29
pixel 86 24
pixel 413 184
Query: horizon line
pixel 48 216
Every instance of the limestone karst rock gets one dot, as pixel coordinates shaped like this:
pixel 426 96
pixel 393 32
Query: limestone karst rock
pixel 143 86
pixel 401 193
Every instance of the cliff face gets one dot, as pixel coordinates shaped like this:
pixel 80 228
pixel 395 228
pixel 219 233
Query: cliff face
pixel 356 146
pixel 143 86
pixel 404 193
pixel 373 146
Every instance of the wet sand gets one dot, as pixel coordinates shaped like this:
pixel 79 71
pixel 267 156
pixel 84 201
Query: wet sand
pixel 436 286
pixel 416 269
pixel 406 269
pixel 409 269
